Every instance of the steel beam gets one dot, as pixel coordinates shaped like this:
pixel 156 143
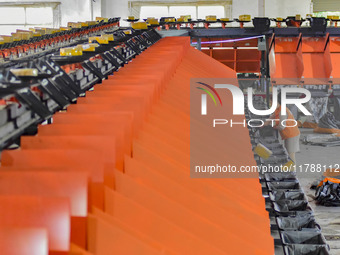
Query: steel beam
pixel 237 32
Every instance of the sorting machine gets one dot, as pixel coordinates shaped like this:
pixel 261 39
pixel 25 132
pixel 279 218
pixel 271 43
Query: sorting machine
pixel 293 225
pixel 36 81
pixel 294 56
pixel 48 82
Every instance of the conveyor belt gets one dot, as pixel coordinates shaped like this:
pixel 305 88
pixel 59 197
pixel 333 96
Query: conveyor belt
pixel 111 174
pixel 29 100
pixel 293 225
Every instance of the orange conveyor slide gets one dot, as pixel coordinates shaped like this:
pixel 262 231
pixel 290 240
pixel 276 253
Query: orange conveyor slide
pixel 111 175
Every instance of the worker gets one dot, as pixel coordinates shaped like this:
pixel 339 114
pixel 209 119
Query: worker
pixel 289 133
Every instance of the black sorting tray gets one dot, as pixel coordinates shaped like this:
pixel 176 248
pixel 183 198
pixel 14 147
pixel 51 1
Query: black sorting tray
pixel 302 249
pixel 289 176
pixel 289 207
pixel 284 185
pixel 299 222
pixel 303 237
pixel 278 195
pixel 66 60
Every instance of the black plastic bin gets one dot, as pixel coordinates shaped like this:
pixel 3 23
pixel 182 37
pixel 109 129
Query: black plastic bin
pixel 267 131
pixel 278 195
pixel 275 159
pixel 318 24
pixel 272 146
pixel 270 140
pixel 299 222
pixel 278 151
pixel 303 237
pixel 287 176
pixel 286 185
pixel 302 249
pixel 290 207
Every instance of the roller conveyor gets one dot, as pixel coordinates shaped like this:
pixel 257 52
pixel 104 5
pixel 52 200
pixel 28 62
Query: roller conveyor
pixel 30 100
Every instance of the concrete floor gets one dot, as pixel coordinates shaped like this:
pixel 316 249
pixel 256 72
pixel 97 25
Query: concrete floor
pixel 327 217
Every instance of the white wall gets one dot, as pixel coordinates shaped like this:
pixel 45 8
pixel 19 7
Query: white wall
pixel 285 8
pixel 115 8
pixel 273 8
pixel 73 10
pixel 80 10
pixel 97 9
pixel 241 7
pixel 120 8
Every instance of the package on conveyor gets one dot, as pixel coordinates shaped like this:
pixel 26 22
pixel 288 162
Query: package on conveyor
pixel 211 18
pixel 16 37
pixel 139 25
pixel 72 51
pixel 25 36
pixel 152 21
pixel 74 25
pixel 244 17
pixel 38 30
pixel 224 19
pixel 89 47
pixel 131 18
pixel 99 39
pixel 91 23
pixel 100 19
pixel 25 72
pixel 65 28
pixel 127 32
pixel 332 17
pixel 263 151
pixel 184 18
pixel 50 31
pixel 27 33
pixel 36 34
pixel 24 31
pixel 83 24
pixel 170 20
pixel 5 39
pixel 22 35
pixel 109 37
pixel 290 165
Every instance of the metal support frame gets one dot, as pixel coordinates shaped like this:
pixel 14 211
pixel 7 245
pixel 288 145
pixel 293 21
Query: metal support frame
pixel 54 89
pixel 238 32
pixel 199 44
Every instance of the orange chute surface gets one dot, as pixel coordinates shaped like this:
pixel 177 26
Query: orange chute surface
pixel 111 174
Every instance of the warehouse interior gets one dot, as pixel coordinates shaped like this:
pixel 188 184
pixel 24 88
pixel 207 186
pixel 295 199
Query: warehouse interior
pixel 138 127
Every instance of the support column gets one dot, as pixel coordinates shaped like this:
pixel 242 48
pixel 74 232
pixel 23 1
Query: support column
pixel 261 6
pixel 199 46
